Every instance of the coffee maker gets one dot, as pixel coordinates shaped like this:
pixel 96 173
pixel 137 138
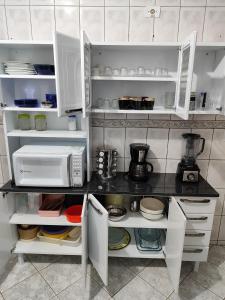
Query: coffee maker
pixel 188 170
pixel 139 168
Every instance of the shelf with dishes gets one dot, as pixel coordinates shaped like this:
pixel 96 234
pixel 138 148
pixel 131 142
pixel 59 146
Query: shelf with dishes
pixel 134 78
pixel 48 134
pixel 19 76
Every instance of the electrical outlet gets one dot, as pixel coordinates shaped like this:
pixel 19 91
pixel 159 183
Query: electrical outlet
pixel 152 11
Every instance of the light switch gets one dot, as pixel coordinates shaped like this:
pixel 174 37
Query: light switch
pixel 152 11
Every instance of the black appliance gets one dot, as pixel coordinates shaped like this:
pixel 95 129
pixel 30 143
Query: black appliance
pixel 139 168
pixel 188 170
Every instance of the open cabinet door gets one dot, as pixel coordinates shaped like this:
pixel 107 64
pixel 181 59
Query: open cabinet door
pixel 98 237
pixel 175 241
pixel 8 234
pixel 184 78
pixel 67 72
pixel 84 238
pixel 85 72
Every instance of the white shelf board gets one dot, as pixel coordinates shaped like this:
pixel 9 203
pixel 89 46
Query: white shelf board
pixel 35 219
pixel 136 220
pixel 26 43
pixel 204 112
pixel 39 247
pixel 6 76
pixel 135 78
pixel 132 251
pixel 66 134
pixel 134 111
pixel 38 109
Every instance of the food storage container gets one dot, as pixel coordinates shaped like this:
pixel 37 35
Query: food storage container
pixel 24 121
pixel 27 232
pixel 72 123
pixel 40 122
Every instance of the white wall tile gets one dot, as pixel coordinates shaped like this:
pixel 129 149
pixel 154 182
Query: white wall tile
pixel 18 20
pixel 115 116
pixel 216 173
pixel 3 27
pixel 176 143
pixel 134 135
pixel 166 27
pixel 115 137
pixel 215 2
pixel 2 143
pixel 215 228
pixel 141 28
pixel 159 165
pixel 2 2
pixel 214 29
pixel 92 3
pixel 142 2
pixel 203 166
pixel 157 139
pixel 193 2
pixel 137 116
pixel 203 117
pixel 207 135
pixel 43 22
pixel 171 165
pixel 191 18
pixel 222 229
pixel 120 164
pixel 218 144
pixel 67 20
pixel 1 176
pixel 92 21
pixel 116 24
pixel 67 2
pixel 97 139
pixel 168 2
pixel 220 202
pixel 5 171
pixel 116 2
pixel 41 2
pixel 159 117
pixel 17 2
pixel 220 117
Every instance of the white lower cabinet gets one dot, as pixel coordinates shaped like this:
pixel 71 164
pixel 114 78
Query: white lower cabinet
pixel 172 251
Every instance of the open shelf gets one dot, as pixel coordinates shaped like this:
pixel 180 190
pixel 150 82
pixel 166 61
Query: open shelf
pixel 35 219
pixel 135 78
pixel 34 109
pixel 136 220
pixel 6 76
pixel 132 251
pixel 65 134
pixel 39 247
pixel 133 111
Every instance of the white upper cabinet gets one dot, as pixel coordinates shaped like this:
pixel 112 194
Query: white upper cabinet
pixel 3 27
pixel 175 242
pixel 67 69
pixel 185 73
pixel 98 237
pixel 214 30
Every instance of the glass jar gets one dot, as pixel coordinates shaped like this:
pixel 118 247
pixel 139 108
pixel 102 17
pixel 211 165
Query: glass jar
pixel 24 121
pixel 40 122
pixel 72 123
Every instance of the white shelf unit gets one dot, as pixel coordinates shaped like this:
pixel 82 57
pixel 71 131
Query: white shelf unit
pixel 48 77
pixel 63 134
pixel 31 109
pixel 135 78
pixel 132 111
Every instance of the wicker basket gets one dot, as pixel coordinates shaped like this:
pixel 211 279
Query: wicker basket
pixel 29 233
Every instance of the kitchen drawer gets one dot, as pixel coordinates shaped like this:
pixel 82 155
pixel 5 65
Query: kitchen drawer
pixel 195 253
pixel 197 238
pixel 195 205
pixel 199 221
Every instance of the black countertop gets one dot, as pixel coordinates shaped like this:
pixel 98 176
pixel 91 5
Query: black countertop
pixel 160 184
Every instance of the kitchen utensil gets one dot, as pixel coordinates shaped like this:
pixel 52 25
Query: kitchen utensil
pixel 151 242
pixel 57 232
pixel 27 232
pixel 149 72
pixel 26 102
pixel 46 104
pixel 108 71
pixel 116 72
pixel 132 72
pixel 152 205
pixel 51 98
pixel 123 71
pixel 107 166
pixel 44 69
pixel 50 207
pixel 169 99
pixel 135 204
pixel 119 238
pixel 158 72
pixel 151 216
pixel 139 169
pixel 67 241
pixel 147 103
pixel 73 213
pixel 116 213
pixel 140 71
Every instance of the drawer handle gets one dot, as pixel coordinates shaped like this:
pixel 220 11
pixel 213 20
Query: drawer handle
pixel 200 234
pixel 197 218
pixel 193 250
pixel 195 201
pixel 95 208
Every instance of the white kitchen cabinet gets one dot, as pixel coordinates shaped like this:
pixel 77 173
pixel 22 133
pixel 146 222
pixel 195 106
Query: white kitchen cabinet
pixel 3 28
pixel 214 29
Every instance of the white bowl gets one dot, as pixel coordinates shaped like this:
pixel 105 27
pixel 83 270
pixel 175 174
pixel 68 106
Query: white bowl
pixel 152 206
pixel 151 216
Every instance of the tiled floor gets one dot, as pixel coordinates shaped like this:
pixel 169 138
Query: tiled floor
pixel 54 277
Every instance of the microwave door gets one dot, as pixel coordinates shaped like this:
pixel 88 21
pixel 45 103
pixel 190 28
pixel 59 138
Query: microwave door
pixel 42 170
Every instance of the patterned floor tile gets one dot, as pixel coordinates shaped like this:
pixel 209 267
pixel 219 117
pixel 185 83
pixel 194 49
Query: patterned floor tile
pixel 135 265
pixel 191 290
pixel 1 298
pixel 63 273
pixel 217 256
pixel 16 273
pixel 94 291
pixel 32 288
pixel 42 261
pixel 138 289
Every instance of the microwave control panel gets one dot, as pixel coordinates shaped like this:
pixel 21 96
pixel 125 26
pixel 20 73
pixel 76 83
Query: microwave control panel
pixel 77 170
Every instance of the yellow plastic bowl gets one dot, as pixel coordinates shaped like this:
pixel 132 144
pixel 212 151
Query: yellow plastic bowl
pixel 59 236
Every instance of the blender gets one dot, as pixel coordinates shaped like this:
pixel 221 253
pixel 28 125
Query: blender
pixel 187 169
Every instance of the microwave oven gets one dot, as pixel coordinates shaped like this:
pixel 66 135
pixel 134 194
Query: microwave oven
pixel 49 166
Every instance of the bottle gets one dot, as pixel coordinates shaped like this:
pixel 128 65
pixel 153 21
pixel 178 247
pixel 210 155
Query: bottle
pixel 192 101
pixel 72 123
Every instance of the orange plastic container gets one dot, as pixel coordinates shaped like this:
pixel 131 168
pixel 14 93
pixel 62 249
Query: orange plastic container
pixel 73 213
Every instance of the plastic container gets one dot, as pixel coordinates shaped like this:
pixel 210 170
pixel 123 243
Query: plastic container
pixel 24 121
pixel 40 122
pixel 72 123
pixel 28 233
pixel 33 202
pixel 64 242
pixel 73 213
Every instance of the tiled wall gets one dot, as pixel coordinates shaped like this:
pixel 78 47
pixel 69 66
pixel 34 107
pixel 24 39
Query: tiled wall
pixel 123 20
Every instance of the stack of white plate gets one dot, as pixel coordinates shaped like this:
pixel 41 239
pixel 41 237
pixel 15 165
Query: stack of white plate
pixel 152 208
pixel 19 68
pixel 2 71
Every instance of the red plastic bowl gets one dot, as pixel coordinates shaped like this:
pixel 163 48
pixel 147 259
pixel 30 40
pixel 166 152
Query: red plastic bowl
pixel 73 213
